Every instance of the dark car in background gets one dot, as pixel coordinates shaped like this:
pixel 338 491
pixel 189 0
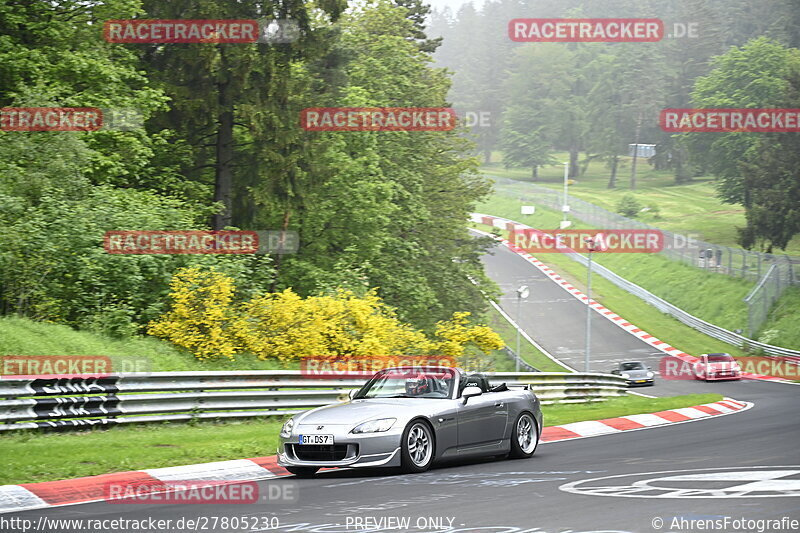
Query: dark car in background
pixel 636 373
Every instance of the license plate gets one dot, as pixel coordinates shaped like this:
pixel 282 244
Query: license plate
pixel 641 381
pixel 315 439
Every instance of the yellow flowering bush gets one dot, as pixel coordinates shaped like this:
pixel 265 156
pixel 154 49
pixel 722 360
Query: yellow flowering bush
pixel 286 326
pixel 455 334
pixel 205 320
pixel 202 315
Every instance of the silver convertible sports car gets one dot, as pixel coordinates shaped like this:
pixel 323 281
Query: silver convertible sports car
pixel 409 417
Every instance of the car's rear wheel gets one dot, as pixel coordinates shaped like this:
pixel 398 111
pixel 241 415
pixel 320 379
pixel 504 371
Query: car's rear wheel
pixel 416 447
pixel 302 471
pixel 524 438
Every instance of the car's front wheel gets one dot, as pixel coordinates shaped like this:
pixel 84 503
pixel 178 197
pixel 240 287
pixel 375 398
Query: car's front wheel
pixel 417 447
pixel 302 471
pixel 525 437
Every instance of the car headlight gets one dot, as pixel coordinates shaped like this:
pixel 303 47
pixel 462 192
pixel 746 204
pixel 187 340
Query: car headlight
pixel 626 376
pixel 650 374
pixel 286 430
pixel 375 426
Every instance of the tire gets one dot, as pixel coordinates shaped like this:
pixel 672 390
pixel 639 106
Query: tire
pixel 417 447
pixel 302 471
pixel 524 437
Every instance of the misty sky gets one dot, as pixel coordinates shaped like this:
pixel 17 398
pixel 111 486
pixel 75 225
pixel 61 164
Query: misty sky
pixel 452 4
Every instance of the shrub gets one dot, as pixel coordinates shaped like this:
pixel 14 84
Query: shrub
pixel 205 319
pixel 629 206
pixel 201 318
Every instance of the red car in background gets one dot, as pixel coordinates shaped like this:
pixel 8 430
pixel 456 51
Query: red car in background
pixel 717 366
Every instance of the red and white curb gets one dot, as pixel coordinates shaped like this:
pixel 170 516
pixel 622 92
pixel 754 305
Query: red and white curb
pixel 594 428
pixel 510 225
pixel 28 496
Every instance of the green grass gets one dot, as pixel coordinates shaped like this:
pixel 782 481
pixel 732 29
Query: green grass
pixel 690 209
pixel 21 336
pixel 556 415
pixel 529 352
pixel 713 297
pixel 34 457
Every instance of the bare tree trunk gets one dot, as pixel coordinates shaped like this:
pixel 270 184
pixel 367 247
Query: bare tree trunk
pixel 574 153
pixel 636 151
pixel 612 181
pixel 287 214
pixel 223 178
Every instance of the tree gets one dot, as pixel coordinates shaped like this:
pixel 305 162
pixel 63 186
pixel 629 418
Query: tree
pixel 756 170
pixel 231 100
pixel 535 114
pixel 755 75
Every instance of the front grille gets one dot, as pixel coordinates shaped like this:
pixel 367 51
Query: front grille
pixel 320 452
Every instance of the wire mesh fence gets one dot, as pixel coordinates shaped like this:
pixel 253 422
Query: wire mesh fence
pixel 772 273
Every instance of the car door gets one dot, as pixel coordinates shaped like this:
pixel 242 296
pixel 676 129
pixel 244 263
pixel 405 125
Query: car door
pixel 482 420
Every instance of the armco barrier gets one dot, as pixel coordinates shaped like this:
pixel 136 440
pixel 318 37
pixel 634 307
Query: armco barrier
pixel 659 303
pixel 179 396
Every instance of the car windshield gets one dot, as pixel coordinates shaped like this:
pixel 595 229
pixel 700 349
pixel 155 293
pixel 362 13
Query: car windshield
pixel 632 366
pixel 720 358
pixel 410 383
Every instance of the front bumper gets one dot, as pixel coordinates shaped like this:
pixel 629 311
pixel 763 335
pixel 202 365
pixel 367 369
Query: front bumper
pixel 723 376
pixel 643 382
pixel 364 450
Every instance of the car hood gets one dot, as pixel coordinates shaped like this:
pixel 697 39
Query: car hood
pixel 357 411
pixel 635 373
pixel 722 365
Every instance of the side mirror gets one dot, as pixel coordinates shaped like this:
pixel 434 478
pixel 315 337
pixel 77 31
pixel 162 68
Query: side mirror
pixel 469 392
pixel 352 393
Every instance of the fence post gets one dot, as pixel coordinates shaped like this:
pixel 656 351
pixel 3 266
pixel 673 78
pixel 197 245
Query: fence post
pixel 730 261
pixel 744 263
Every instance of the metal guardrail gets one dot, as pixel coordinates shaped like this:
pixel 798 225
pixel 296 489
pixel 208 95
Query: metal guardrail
pixel 662 305
pixel 181 396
